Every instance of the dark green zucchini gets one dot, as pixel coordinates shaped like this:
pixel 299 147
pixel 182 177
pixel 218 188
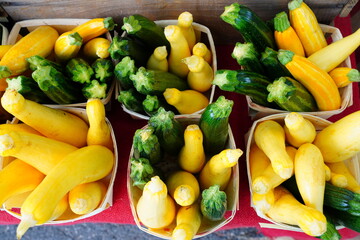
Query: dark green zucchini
pixel 125 46
pixel 291 95
pixel 153 82
pixel 57 86
pixel 252 28
pixel 331 232
pixel 146 30
pixel 151 104
pixel 344 218
pixel 37 61
pixel 79 70
pixel 146 145
pixel 123 70
pixel 131 99
pixel 244 82
pixel 214 124
pixel 27 87
pixel 246 56
pixel 169 131
pixel 273 68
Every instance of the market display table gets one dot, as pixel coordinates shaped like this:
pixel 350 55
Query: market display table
pixel 124 127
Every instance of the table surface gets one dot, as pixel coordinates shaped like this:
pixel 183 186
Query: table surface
pixel 124 127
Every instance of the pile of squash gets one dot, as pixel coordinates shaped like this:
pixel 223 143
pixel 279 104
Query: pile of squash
pixel 59 162
pixel 299 175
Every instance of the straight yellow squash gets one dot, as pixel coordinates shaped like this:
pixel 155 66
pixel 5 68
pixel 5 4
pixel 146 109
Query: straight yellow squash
pixel 84 165
pixel 94 28
pixel 18 177
pixel 4 49
pixel 97 48
pixel 306 26
pixel 51 122
pixel 340 140
pixel 40 42
pixel 344 76
pixel 317 81
pixel 188 221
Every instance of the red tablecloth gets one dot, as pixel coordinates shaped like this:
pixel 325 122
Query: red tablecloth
pixel 124 127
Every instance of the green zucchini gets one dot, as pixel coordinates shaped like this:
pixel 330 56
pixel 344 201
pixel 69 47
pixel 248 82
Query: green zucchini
pixel 273 68
pixel 169 131
pixel 331 232
pixel 153 82
pixel 141 171
pixel 146 145
pixel 152 103
pixel 123 70
pixel 27 87
pixel 57 86
pixel 344 218
pixel 125 46
pixel 252 28
pixel 131 99
pixel 246 56
pixel 37 61
pixel 214 124
pixel 146 30
pixel 213 203
pixel 244 82
pixel 79 70
pixel 291 95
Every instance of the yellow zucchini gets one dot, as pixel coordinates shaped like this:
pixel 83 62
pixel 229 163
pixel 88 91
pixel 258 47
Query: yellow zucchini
pixel 19 127
pixel 317 81
pixel 344 76
pixel 270 138
pixel 192 155
pixel 310 175
pixel 335 53
pixel 185 21
pixel 298 130
pixel 40 42
pixel 158 60
pixel 99 132
pixel 306 25
pixel 340 140
pixel 38 151
pixel 183 187
pixel 67 46
pixel 219 168
pixel 201 74
pixel 94 28
pixel 155 208
pixel 51 122
pixel 86 164
pixel 97 48
pixel 287 209
pixel 200 49
pixel 186 101
pixel 18 177
pixel 179 50
pixel 341 168
pixel 86 197
pixel 188 221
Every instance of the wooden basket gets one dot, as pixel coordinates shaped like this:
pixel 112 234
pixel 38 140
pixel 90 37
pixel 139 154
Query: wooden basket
pixel 209 94
pixel 12 205
pixel 319 123
pixel 207 227
pixel 61 25
pixel 257 111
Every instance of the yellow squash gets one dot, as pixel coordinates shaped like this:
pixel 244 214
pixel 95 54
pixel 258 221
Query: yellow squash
pixel 97 48
pixel 40 42
pixel 19 127
pixel 219 168
pixel 287 209
pixel 317 81
pixel 67 46
pixel 51 122
pixel 94 28
pixel 310 175
pixel 38 151
pixel 344 76
pixel 342 169
pixel 84 165
pixel 201 74
pixel 183 187
pixel 86 197
pixel 4 49
pixel 188 221
pixel 99 132
pixel 263 202
pixel 306 25
pixel 158 60
pixel 179 50
pixel 270 138
pixel 298 130
pixel 185 21
pixel 186 101
pixel 200 49
pixel 340 140
pixel 155 208
pixel 192 154
pixel 16 178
